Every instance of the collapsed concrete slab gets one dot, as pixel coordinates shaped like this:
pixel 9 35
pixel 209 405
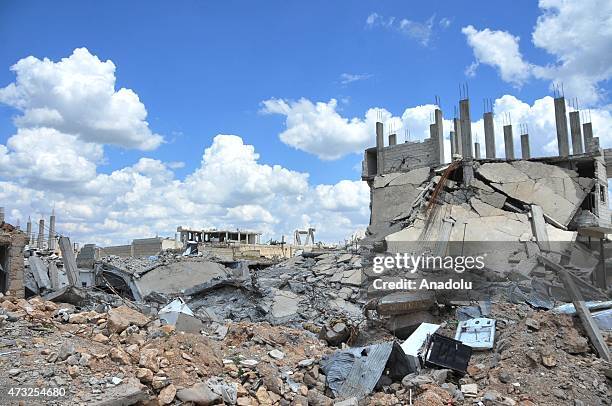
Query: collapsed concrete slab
pixel 557 190
pixel 40 272
pixel 175 278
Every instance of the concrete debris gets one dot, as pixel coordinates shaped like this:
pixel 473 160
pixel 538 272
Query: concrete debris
pixel 557 190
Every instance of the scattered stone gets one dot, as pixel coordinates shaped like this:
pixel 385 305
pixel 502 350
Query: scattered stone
pixel 440 375
pixel 129 393
pixel 120 356
pixel 490 396
pixel 249 363
pixel 263 397
pixel 14 372
pixel 306 362
pixel 65 350
pixel 166 395
pixel 316 398
pixel 145 375
pixel 276 354
pixel 148 359
pixel 414 381
pixel 122 317
pixel 504 377
pixel 73 371
pixel 199 394
pixel 532 324
pixel 469 389
pixel 100 338
pixel 159 382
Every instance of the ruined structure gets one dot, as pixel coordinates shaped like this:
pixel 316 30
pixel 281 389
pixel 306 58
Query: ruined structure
pixel 214 235
pixel 416 196
pixel 12 242
pixel 139 247
pixel 230 245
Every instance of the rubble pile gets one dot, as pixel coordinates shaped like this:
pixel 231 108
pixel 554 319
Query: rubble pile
pixel 125 356
pixel 315 330
pixel 539 358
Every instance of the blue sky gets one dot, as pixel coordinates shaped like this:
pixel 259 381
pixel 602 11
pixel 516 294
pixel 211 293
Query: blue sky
pixel 205 68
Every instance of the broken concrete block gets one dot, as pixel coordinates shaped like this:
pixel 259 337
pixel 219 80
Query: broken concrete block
pixel 284 304
pixel 405 302
pixel 470 389
pixel 558 191
pixel 122 317
pixel 483 209
pixel 414 177
pixel 199 394
pixel 40 272
pixel 130 392
pixel 177 277
pixel 67 294
pixel 352 277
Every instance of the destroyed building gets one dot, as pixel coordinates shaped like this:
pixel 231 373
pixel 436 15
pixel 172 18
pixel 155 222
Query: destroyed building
pixel 230 245
pixel 141 247
pixel 474 198
pixel 12 242
pixel 208 323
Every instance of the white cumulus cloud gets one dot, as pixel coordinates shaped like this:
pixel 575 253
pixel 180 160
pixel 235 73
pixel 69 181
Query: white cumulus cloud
pixel 499 49
pixel 77 96
pixel 578 37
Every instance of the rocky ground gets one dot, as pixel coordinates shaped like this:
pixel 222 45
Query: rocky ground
pixel 540 358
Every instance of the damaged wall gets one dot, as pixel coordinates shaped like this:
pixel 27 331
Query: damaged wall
pixel 12 242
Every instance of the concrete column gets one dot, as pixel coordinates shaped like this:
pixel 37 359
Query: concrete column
pixel 380 144
pixel 587 133
pixel 508 141
pixel 69 260
pixel 525 152
pixel 489 130
pixel 52 231
pixel 574 117
pixel 452 144
pixel 561 123
pixel 392 139
pixel 468 171
pixel 41 233
pixel 1 215
pixel 477 150
pixel 458 141
pixel 466 127
pixel 440 134
pixel 29 231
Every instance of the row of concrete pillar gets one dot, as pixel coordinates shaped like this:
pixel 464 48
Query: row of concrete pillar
pixel 582 136
pixel 461 135
pixel 39 241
